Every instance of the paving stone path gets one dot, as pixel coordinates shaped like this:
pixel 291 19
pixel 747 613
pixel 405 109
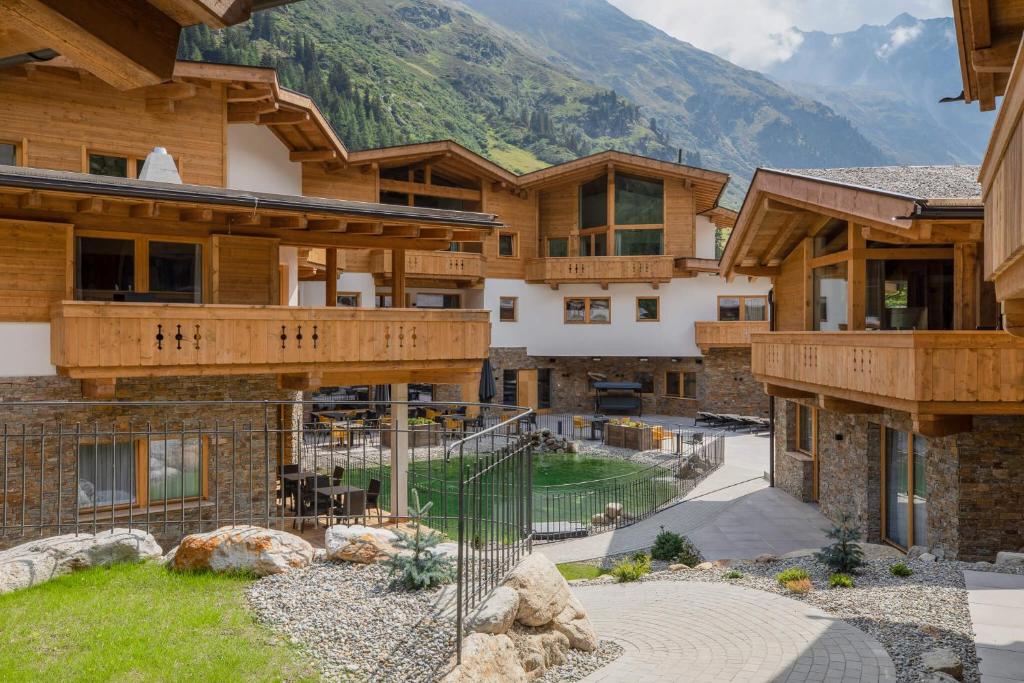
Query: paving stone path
pixel 684 632
pixel 996 602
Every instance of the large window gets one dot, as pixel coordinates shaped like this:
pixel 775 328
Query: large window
pixel 141 472
pixel 510 387
pixel 108 269
pixel 558 247
pixel 905 488
pixel 735 308
pixel 104 268
pixel 588 310
pixel 639 201
pixel 594 203
pixel 544 388
pixel 176 271
pixel 909 295
pixel 594 244
pixel 639 242
pixel 681 384
pixel 430 300
pixel 830 298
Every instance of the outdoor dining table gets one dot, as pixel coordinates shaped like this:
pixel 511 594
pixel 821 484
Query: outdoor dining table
pixel 337 491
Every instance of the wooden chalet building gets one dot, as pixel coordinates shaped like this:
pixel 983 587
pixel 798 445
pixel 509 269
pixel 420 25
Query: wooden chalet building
pixel 897 397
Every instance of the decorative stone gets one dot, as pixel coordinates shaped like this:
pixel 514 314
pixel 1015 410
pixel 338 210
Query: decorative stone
pixel 39 561
pixel 704 566
pixel 936 677
pixel 982 565
pixel 722 564
pixel 243 548
pixel 766 558
pixel 1007 559
pixel 540 649
pixel 612 510
pixel 916 551
pixel 497 613
pixel 358 543
pixel 944 661
pixel 678 568
pixel 488 658
pixel 930 630
pixel 574 624
pixel 543 591
pixel 599 519
pixel 926 557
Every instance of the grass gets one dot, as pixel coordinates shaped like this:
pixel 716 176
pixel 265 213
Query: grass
pixel 580 570
pixel 140 623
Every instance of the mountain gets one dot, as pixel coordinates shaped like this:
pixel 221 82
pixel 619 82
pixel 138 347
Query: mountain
pixel 888 80
pixel 531 83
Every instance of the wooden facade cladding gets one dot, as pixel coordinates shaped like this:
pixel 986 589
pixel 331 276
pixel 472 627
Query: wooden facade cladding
pixel 464 269
pixel 35 268
pixel 600 269
pixel 92 340
pixel 245 270
pixel 719 334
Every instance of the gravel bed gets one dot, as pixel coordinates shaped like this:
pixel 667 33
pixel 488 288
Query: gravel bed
pixel 908 616
pixel 581 664
pixel 355 625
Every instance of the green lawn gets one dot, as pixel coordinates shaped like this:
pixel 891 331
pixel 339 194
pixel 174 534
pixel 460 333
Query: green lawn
pixel 140 623
pixel 579 570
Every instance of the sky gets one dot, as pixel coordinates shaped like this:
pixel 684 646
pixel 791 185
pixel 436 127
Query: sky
pixel 759 33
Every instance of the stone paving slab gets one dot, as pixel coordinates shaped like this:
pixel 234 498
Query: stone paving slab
pixel 674 631
pixel 996 603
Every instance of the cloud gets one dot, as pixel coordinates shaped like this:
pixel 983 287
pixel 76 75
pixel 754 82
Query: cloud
pixel 759 33
pixel 899 37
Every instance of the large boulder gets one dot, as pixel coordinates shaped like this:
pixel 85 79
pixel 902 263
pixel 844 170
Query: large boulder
pixel 574 624
pixel 497 614
pixel 943 660
pixel 612 510
pixel 38 561
pixel 488 658
pixel 1007 559
pixel 242 549
pixel 357 543
pixel 540 649
pixel 543 591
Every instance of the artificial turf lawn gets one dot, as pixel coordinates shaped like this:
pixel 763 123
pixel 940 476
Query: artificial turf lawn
pixel 580 570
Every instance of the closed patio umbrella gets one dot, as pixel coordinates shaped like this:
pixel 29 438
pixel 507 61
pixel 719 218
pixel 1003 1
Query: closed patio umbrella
pixel 381 398
pixel 487 388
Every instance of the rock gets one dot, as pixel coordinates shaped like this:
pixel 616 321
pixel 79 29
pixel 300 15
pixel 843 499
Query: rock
pixel 497 613
pixel 448 549
pixel 766 558
pixel 939 553
pixel 678 568
pixel 936 677
pixel 612 510
pixel 982 565
pixel 722 564
pixel 930 630
pixel 357 543
pixel 540 649
pixel 916 551
pixel 599 519
pixel 543 592
pixel 1007 559
pixel 944 661
pixel 488 658
pixel 39 561
pixel 243 548
pixel 574 624
pixel 704 566
pixel 926 557
pixel 803 552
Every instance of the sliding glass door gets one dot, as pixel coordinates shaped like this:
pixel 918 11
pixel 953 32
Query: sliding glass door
pixel 904 483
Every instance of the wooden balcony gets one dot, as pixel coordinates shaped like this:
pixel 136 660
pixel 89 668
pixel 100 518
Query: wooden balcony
pixel 940 378
pixel 732 334
pixel 600 269
pixel 311 346
pixel 462 269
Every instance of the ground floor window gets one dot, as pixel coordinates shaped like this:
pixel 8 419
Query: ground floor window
pixel 805 428
pixel 681 384
pixel 905 488
pixel 510 387
pixel 544 388
pixel 140 472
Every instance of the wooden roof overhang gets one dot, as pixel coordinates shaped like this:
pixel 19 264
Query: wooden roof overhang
pixel 722 217
pixel 443 153
pixel 127 44
pixel 783 208
pixel 707 185
pixel 988 36
pixel 128 205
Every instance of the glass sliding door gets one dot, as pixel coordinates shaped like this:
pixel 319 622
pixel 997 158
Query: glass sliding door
pixel 919 519
pixel 905 488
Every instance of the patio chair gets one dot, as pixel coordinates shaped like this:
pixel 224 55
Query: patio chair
pixel 452 425
pixel 339 474
pixel 311 503
pixel 354 507
pixel 373 498
pixel 286 488
pixel 579 423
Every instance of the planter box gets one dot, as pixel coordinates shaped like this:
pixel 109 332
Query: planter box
pixel 632 438
pixel 420 436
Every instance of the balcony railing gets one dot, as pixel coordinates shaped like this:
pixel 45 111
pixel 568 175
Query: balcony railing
pixel 600 269
pixel 440 265
pixel 104 340
pixel 727 334
pixel 962 372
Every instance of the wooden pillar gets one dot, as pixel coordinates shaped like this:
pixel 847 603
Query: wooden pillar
pixel 856 280
pixel 332 277
pixel 610 248
pixel 400 450
pixel 966 286
pixel 469 392
pixel 398 278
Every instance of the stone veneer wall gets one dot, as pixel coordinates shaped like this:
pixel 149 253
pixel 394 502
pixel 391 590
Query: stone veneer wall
pixel 234 487
pixel 793 470
pixel 729 384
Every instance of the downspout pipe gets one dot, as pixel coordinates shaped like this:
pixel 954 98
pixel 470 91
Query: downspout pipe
pixel 27 58
pixel 771 399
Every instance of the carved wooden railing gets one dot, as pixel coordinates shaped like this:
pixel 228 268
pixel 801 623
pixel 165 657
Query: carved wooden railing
pixel 727 334
pixel 654 269
pixel 443 265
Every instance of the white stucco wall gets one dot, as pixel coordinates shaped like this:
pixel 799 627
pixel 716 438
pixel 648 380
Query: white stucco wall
pixel 313 293
pixel 540 327
pixel 289 256
pixel 26 350
pixel 258 161
pixel 705 247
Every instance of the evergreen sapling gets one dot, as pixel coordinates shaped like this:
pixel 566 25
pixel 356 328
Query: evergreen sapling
pixel 844 555
pixel 416 561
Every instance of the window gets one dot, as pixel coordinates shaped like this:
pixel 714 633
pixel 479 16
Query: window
pixel 440 301
pixel 175 271
pixel 8 154
pixel 735 308
pixel 689 385
pixel 805 428
pixel 830 293
pixel 348 300
pixel 382 300
pixel 905 488
pixel 507 309
pixel 153 470
pixel 909 295
pixel 544 388
pixel 672 385
pixel 506 244
pixel 681 384
pixel 397 198
pixel 831 239
pixel 558 247
pixel 638 201
pixel 588 310
pixel 647 309
pixel 107 269
pixel 594 244
pixel 104 268
pixel 594 203
pixel 646 382
pixel 639 242
pixel 510 387
pixel 105 164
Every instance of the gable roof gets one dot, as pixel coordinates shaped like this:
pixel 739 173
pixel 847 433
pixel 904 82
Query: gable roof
pixel 922 183
pixel 426 150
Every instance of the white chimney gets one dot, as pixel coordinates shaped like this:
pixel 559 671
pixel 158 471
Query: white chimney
pixel 159 167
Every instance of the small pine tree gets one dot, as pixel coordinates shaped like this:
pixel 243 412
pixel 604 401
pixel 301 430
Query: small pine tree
pixel 844 555
pixel 423 568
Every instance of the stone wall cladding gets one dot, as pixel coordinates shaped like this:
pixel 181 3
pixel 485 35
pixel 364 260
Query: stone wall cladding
pixel 793 470
pixel 729 385
pixel 235 485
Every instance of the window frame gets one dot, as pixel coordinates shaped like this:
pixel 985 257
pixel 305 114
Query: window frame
pixel 515 309
pixel 19 149
pixel 134 161
pixel 743 306
pixel 358 296
pixel 657 317
pixel 515 243
pixel 911 485
pixel 587 301
pixel 681 380
pixel 798 429
pixel 547 245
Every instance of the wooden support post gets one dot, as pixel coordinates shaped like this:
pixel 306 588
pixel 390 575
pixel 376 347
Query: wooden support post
pixel 966 285
pixel 332 277
pixel 99 389
pixel 400 450
pixel 857 277
pixel 398 278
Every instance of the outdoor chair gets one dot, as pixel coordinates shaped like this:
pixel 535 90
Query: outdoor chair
pixel 373 498
pixel 339 474
pixel 579 424
pixel 311 503
pixel 353 509
pixel 286 488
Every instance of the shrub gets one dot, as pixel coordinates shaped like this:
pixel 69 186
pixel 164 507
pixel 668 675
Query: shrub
pixel 900 569
pixel 417 421
pixel 423 568
pixel 733 574
pixel 799 586
pixel 844 555
pixel 633 569
pixel 792 574
pixel 840 580
pixel 667 546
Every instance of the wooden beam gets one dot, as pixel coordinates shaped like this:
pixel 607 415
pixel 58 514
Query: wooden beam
pixel 436 233
pixel 283 118
pixel 250 94
pixel 781 207
pixel 250 112
pixel 291 222
pixel 838 405
pixel 126 44
pixel 403 187
pixel 197 215
pixel 331 273
pixel 30 200
pixel 99 389
pixel 997 59
pixel 401 231
pixel 1013 317
pixel 398 278
pixel 785 392
pixel 365 228
pixel 90 205
pixel 305 381
pixel 314 155
pixel 941 425
pixel 758 271
pixel 326 225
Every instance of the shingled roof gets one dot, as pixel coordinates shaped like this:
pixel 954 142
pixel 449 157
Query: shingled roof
pixel 921 183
